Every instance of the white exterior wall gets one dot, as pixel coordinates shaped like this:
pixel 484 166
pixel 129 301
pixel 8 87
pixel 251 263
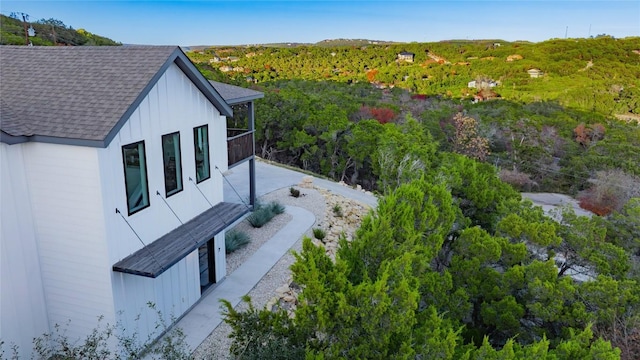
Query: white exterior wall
pixel 174 104
pixel 23 313
pixel 56 190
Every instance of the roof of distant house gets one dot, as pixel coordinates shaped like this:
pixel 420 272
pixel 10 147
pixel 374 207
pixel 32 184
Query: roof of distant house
pixel 83 95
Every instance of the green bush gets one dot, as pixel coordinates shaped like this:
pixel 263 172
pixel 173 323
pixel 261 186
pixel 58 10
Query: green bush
pixel 256 337
pixel 337 210
pixel 98 344
pixel 264 213
pixel 260 216
pixel 234 240
pixel 319 234
pixel 276 207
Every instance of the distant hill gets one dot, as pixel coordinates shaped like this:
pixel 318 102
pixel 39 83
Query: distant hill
pixel 352 42
pixel 600 74
pixel 322 43
pixel 48 32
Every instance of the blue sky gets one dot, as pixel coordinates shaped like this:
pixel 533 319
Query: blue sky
pixel 211 22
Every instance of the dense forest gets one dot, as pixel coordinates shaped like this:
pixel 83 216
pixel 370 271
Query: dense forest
pixel 333 109
pixel 453 265
pixel 46 32
pixel 599 74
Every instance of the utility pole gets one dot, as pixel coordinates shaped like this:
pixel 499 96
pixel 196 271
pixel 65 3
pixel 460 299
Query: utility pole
pixel 28 30
pixel 25 18
pixel 53 34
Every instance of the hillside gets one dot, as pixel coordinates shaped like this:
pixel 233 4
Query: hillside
pixel 596 74
pixel 552 130
pixel 47 32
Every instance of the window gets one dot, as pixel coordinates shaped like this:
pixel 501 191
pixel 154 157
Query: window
pixel 201 144
pixel 135 176
pixel 172 163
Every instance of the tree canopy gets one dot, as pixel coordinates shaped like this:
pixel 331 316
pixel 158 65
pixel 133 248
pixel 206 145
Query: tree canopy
pixel 47 32
pixel 430 276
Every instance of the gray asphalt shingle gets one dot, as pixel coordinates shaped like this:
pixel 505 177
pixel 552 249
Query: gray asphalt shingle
pixel 235 94
pixel 73 92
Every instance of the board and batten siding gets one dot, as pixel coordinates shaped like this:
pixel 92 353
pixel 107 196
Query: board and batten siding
pixel 66 201
pixel 23 313
pixel 174 104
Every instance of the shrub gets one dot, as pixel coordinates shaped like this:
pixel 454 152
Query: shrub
pixel 319 234
pixel 264 213
pixel 234 240
pixel 518 180
pixel 260 216
pixel 610 191
pixel 98 344
pixel 294 192
pixel 259 334
pixel 276 207
pixel 337 210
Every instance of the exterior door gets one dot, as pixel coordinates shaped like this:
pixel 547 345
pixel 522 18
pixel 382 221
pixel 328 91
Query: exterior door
pixel 207 265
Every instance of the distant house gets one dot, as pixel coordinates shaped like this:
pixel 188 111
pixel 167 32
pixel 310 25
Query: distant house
pixel 111 174
pixel 484 95
pixel 484 84
pixel 406 56
pixel 535 73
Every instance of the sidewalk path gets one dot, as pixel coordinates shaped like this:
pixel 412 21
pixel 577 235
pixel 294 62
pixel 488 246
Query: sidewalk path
pixel 206 315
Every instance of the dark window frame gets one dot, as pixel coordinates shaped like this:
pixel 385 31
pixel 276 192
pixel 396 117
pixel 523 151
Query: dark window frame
pixel 195 153
pixel 178 168
pixel 146 175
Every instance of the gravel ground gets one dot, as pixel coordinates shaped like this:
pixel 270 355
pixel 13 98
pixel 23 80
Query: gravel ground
pixel 217 345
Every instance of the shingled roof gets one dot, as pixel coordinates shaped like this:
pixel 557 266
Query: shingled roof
pixel 235 94
pixel 82 95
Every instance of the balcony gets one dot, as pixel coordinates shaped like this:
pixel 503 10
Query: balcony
pixel 239 145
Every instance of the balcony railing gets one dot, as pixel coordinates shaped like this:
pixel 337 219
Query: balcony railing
pixel 239 145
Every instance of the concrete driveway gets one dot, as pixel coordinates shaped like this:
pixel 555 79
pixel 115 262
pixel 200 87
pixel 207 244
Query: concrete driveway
pixel 271 177
pixel 552 201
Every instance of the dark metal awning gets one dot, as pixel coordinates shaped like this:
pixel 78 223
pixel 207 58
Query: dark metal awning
pixel 160 255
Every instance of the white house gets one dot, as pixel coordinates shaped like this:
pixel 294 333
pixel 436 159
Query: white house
pixel 535 73
pixel 484 84
pixel 111 163
pixel 406 56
